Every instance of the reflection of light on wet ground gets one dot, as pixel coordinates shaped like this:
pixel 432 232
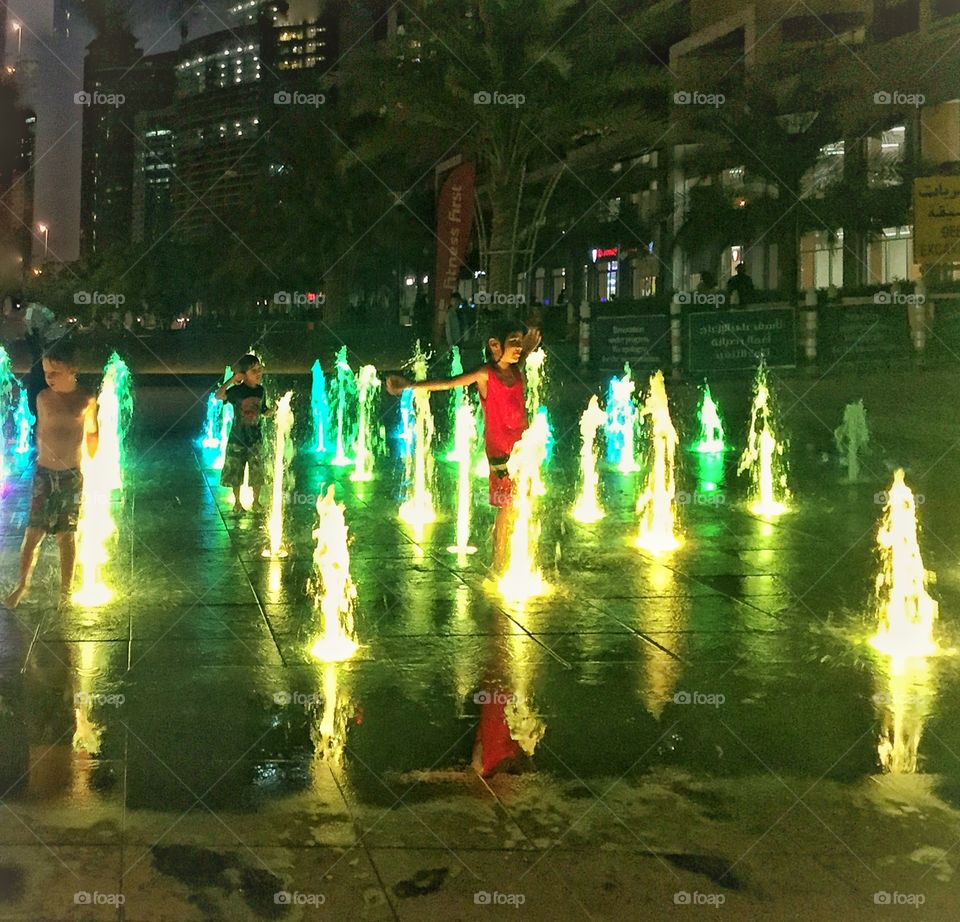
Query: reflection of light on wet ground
pixel 904 700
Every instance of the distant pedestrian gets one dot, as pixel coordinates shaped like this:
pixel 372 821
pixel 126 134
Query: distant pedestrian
pixel 741 285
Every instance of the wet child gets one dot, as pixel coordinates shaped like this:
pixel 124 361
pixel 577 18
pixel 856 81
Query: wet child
pixel 501 387
pixel 66 423
pixel 244 391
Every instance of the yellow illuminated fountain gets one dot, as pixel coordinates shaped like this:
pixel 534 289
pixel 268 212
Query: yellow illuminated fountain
pixel 587 508
pixel 334 594
pixel 464 435
pixel 656 506
pixel 281 441
pixel 102 476
pixel 905 610
pixel 418 510
pixel 523 578
pixel 763 454
pixel 368 397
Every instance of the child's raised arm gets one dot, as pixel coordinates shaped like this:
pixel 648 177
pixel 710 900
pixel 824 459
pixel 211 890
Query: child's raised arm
pixel 221 393
pixel 396 384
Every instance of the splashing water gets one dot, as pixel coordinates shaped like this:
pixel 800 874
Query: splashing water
pixel 464 434
pixel 406 432
pixel 345 399
pixel 535 376
pixel 523 578
pixel 852 436
pixel 368 432
pixel 905 611
pixel 418 510
pixel 281 440
pixel 710 440
pixel 226 421
pixel 320 408
pixel 656 506
pixel 7 381
pixel 763 455
pixel 481 466
pixel 454 401
pixel 102 476
pixel 622 422
pixel 210 436
pixel 23 421
pixel 587 508
pixel 333 592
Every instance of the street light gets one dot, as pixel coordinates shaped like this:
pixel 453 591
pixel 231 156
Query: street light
pixel 45 230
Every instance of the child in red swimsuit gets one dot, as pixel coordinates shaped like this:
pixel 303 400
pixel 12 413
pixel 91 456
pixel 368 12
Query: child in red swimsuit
pixel 500 385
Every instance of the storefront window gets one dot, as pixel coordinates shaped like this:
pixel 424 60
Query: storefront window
pixel 890 255
pixel 821 259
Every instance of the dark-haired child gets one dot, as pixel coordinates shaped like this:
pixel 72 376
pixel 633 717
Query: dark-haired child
pixel 66 419
pixel 244 391
pixel 501 387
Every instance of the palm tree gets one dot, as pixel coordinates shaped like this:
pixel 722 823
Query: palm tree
pixel 513 88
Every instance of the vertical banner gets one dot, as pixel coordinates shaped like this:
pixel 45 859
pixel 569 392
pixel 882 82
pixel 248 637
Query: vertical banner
pixel 454 221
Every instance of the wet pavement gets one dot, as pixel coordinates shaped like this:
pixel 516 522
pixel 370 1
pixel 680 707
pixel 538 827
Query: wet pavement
pixel 697 735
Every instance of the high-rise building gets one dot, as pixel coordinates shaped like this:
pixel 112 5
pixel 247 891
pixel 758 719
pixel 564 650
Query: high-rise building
pixel 118 83
pixel 17 144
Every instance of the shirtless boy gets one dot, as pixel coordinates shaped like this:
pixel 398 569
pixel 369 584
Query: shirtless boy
pixel 66 422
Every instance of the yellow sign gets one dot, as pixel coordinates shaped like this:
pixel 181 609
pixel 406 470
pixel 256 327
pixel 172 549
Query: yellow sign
pixel 936 219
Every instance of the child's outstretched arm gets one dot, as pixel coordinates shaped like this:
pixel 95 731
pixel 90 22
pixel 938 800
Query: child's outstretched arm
pixel 221 393
pixel 396 384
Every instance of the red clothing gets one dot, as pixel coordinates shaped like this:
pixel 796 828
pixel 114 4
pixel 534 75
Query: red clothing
pixel 504 422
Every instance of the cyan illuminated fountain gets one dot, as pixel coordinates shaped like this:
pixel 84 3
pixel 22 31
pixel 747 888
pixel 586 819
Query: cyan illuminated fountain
pixel 226 421
pixel 333 592
pixel 320 409
pixel 852 436
pixel 456 397
pixel 102 479
pixel 407 431
pixel 368 427
pixel 622 422
pixel 464 434
pixel 23 421
pixel 281 452
pixel 588 508
pixel 523 578
pixel 345 401
pixel 905 610
pixel 763 454
pixel 710 437
pixel 656 505
pixel 417 510
pixel 210 434
pixel 7 382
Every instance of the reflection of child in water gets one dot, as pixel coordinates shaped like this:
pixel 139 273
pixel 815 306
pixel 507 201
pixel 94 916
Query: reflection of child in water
pixel 507 734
